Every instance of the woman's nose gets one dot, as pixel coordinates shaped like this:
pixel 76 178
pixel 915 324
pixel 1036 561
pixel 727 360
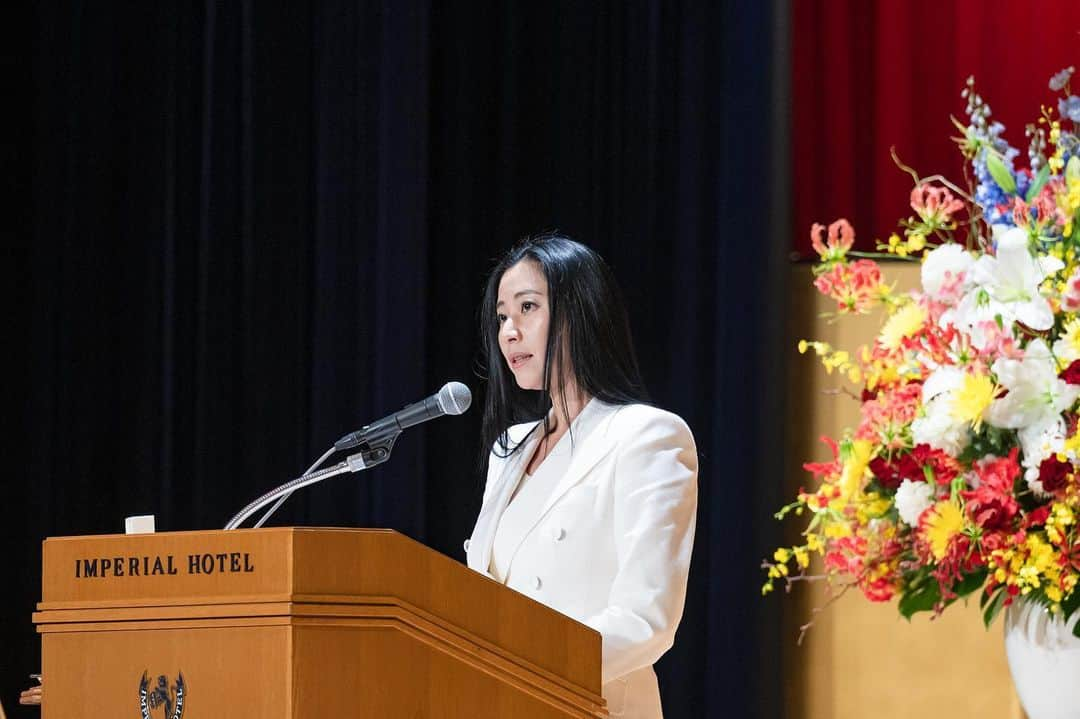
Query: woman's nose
pixel 509 330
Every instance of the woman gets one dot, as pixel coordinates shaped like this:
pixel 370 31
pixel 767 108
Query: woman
pixel 589 506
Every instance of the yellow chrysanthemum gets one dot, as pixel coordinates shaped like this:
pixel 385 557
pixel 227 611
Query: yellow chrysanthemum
pixel 970 400
pixel 943 522
pixel 905 322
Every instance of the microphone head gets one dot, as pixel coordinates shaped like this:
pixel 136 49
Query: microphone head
pixel 454 398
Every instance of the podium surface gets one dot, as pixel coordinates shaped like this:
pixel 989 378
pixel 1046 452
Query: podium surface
pixel 293 623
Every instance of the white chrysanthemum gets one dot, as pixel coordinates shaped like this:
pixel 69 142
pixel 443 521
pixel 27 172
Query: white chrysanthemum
pixel 939 429
pixel 944 263
pixel 912 499
pixel 939 426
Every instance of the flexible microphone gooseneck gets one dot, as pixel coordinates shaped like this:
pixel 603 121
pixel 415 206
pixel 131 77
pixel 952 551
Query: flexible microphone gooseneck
pixel 375 442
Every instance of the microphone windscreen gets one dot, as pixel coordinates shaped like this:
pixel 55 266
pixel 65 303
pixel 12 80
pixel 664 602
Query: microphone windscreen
pixel 454 398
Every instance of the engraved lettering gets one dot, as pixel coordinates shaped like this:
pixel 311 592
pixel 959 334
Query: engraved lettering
pixel 248 566
pixel 172 568
pixel 118 567
pixel 208 563
pixel 158 569
pixel 133 566
pixel 90 568
pixel 193 564
pixel 234 562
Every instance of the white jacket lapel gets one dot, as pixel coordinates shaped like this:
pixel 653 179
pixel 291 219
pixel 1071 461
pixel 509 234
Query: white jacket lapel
pixel 595 445
pixel 478 556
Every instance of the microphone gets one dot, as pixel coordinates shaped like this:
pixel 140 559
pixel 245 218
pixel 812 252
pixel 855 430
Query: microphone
pixel 377 438
pixel 454 398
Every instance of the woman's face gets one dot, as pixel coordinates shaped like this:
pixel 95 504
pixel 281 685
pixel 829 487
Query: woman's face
pixel 523 314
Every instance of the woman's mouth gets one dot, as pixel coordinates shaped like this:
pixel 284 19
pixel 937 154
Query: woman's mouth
pixel 518 358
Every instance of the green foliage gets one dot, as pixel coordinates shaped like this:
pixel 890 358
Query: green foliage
pixel 1036 186
pixel 991 440
pixel 922 594
pixel 1071 605
pixel 969 583
pixel 991 605
pixel 1000 173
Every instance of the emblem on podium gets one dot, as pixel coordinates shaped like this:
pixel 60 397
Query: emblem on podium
pixel 162 695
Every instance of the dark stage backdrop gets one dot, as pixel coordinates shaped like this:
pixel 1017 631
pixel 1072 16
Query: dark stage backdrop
pixel 252 227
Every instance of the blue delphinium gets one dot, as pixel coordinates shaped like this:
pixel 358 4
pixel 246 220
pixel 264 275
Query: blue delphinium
pixel 1060 80
pixel 1069 107
pixel 983 138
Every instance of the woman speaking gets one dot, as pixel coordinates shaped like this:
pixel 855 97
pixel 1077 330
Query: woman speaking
pixel 591 494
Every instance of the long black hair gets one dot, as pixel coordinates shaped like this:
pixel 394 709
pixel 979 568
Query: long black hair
pixel 588 324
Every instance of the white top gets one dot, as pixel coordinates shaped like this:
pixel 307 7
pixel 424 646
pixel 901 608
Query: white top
pixel 528 501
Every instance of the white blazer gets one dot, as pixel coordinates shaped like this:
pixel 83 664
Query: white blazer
pixel 611 546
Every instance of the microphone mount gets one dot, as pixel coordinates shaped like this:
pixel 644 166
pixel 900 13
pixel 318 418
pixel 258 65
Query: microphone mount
pixel 370 455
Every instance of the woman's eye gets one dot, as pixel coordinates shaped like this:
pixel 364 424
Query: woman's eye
pixel 500 318
pixel 526 306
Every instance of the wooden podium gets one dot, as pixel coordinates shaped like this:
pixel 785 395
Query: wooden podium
pixel 294 623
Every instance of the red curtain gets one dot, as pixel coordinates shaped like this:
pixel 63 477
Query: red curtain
pixel 867 76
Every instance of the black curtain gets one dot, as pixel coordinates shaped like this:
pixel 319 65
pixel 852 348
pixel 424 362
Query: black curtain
pixel 251 227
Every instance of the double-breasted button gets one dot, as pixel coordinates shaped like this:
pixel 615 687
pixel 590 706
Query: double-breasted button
pixel 537 583
pixel 558 534
pixel 467 543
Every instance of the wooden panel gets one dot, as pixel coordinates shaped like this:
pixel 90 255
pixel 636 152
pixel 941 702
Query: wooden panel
pixel 403 674
pixel 246 566
pixel 375 564
pixel 241 673
pixel 398 607
pixel 862 658
pixel 375 665
pixel 431 631
pixel 243 564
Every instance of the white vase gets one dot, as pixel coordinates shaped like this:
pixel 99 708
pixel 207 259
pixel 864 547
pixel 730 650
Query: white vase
pixel 1044 658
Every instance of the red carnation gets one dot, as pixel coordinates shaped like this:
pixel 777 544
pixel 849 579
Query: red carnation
pixel 891 474
pixel 1071 374
pixel 991 505
pixel 945 467
pixel 999 473
pixel 990 510
pixel 1053 473
pixel 1037 518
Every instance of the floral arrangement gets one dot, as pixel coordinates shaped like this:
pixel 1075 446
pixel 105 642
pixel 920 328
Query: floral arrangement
pixel 963 474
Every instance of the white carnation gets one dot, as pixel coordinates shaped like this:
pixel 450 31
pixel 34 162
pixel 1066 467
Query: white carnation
pixel 1039 442
pixel 912 499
